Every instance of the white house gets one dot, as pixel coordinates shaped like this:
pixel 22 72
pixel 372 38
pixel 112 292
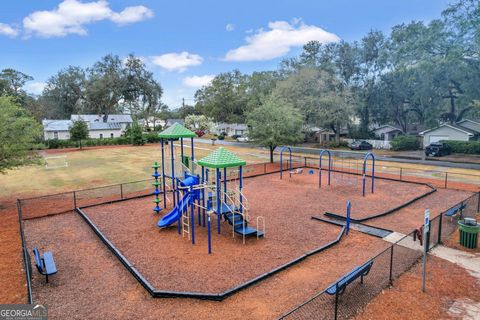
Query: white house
pixel 447 131
pixel 99 126
pixel 230 129
pixel 387 132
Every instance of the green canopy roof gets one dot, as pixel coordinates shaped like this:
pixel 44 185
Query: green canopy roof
pixel 176 131
pixel 221 158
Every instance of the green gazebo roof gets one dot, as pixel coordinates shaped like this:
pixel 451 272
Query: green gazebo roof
pixel 221 158
pixel 176 131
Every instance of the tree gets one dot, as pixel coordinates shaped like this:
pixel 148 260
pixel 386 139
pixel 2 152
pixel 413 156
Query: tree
pixel 79 131
pixel 225 98
pixel 64 93
pixel 199 122
pixel 106 85
pixel 136 135
pixel 16 79
pixel 141 93
pixel 276 122
pixel 18 132
pixel 319 96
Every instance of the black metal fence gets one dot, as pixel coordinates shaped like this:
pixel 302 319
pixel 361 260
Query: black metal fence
pixel 387 266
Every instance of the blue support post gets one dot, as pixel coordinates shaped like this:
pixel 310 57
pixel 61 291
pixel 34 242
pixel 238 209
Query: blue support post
pixel 320 166
pixel 193 152
pixel 225 184
pixel 163 176
pixel 364 172
pixel 240 173
pixel 181 154
pixel 203 196
pixel 281 161
pixel 179 221
pixel 209 235
pixel 347 223
pixel 173 172
pixel 192 216
pixel 219 199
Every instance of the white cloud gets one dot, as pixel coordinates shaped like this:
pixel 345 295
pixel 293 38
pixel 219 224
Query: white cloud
pixel 7 30
pixel 177 61
pixel 230 27
pixel 281 37
pixel 35 87
pixel 132 14
pixel 198 81
pixel 71 16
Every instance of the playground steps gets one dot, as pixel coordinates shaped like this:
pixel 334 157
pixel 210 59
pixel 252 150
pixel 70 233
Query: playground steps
pixel 237 221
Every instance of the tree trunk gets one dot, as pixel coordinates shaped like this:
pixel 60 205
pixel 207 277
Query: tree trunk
pixel 80 142
pixel 271 153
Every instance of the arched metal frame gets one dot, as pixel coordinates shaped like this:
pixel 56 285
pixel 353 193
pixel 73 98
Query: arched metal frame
pixel 320 166
pixel 372 156
pixel 281 162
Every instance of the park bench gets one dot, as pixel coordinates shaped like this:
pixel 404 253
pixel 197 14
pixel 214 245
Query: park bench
pixel 453 211
pixel 360 271
pixel 45 264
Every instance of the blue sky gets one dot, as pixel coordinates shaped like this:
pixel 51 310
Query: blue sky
pixel 185 43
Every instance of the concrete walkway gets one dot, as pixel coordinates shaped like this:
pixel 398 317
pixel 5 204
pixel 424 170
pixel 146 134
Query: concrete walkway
pixel 468 261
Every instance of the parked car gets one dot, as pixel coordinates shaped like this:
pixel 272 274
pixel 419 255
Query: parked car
pixel 438 149
pixel 360 145
pixel 242 139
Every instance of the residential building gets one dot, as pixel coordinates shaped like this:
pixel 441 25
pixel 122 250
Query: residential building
pixel 230 129
pixel 464 130
pixel 99 126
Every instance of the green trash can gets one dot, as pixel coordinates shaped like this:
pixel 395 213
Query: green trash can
pixel 469 230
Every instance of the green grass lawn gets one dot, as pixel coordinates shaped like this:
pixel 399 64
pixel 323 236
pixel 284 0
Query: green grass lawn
pixel 94 167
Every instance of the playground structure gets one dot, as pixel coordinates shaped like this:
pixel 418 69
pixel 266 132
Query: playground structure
pixel 203 194
pixel 153 255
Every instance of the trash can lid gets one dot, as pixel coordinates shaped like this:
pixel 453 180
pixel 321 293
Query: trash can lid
pixel 470 221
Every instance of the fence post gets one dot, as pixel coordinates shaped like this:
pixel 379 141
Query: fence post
pixel 264 167
pixel 336 301
pixel 74 199
pixel 478 201
pixel 305 161
pixel 440 229
pixel 391 264
pixel 121 191
pixel 401 173
pixel 446 179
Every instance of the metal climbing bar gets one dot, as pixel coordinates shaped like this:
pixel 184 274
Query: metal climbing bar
pixel 364 172
pixel 281 162
pixel 320 166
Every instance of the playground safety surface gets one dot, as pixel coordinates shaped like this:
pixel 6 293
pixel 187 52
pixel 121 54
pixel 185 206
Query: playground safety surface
pixel 92 277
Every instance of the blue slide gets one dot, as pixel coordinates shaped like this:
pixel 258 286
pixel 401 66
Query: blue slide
pixel 174 215
pixel 183 204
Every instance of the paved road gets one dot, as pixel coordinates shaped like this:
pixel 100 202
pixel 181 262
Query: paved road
pixel 355 155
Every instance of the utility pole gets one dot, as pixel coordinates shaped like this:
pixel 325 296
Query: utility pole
pixel 183 102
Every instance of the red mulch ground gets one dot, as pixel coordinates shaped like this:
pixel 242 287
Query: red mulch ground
pixel 160 255
pixel 446 283
pixel 411 217
pixel 12 276
pixel 93 284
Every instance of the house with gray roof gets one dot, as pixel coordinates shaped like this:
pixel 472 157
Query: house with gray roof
pixel 230 129
pixel 464 130
pixel 99 126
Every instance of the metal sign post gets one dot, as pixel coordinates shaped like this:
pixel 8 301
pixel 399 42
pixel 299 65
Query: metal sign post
pixel 426 229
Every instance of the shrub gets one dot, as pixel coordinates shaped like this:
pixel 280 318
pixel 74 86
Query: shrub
pixel 221 136
pixel 401 143
pixel 469 147
pixel 236 136
pixel 199 133
pixel 334 144
pixel 152 137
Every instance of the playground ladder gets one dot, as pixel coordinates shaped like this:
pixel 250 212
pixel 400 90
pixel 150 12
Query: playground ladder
pixel 185 224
